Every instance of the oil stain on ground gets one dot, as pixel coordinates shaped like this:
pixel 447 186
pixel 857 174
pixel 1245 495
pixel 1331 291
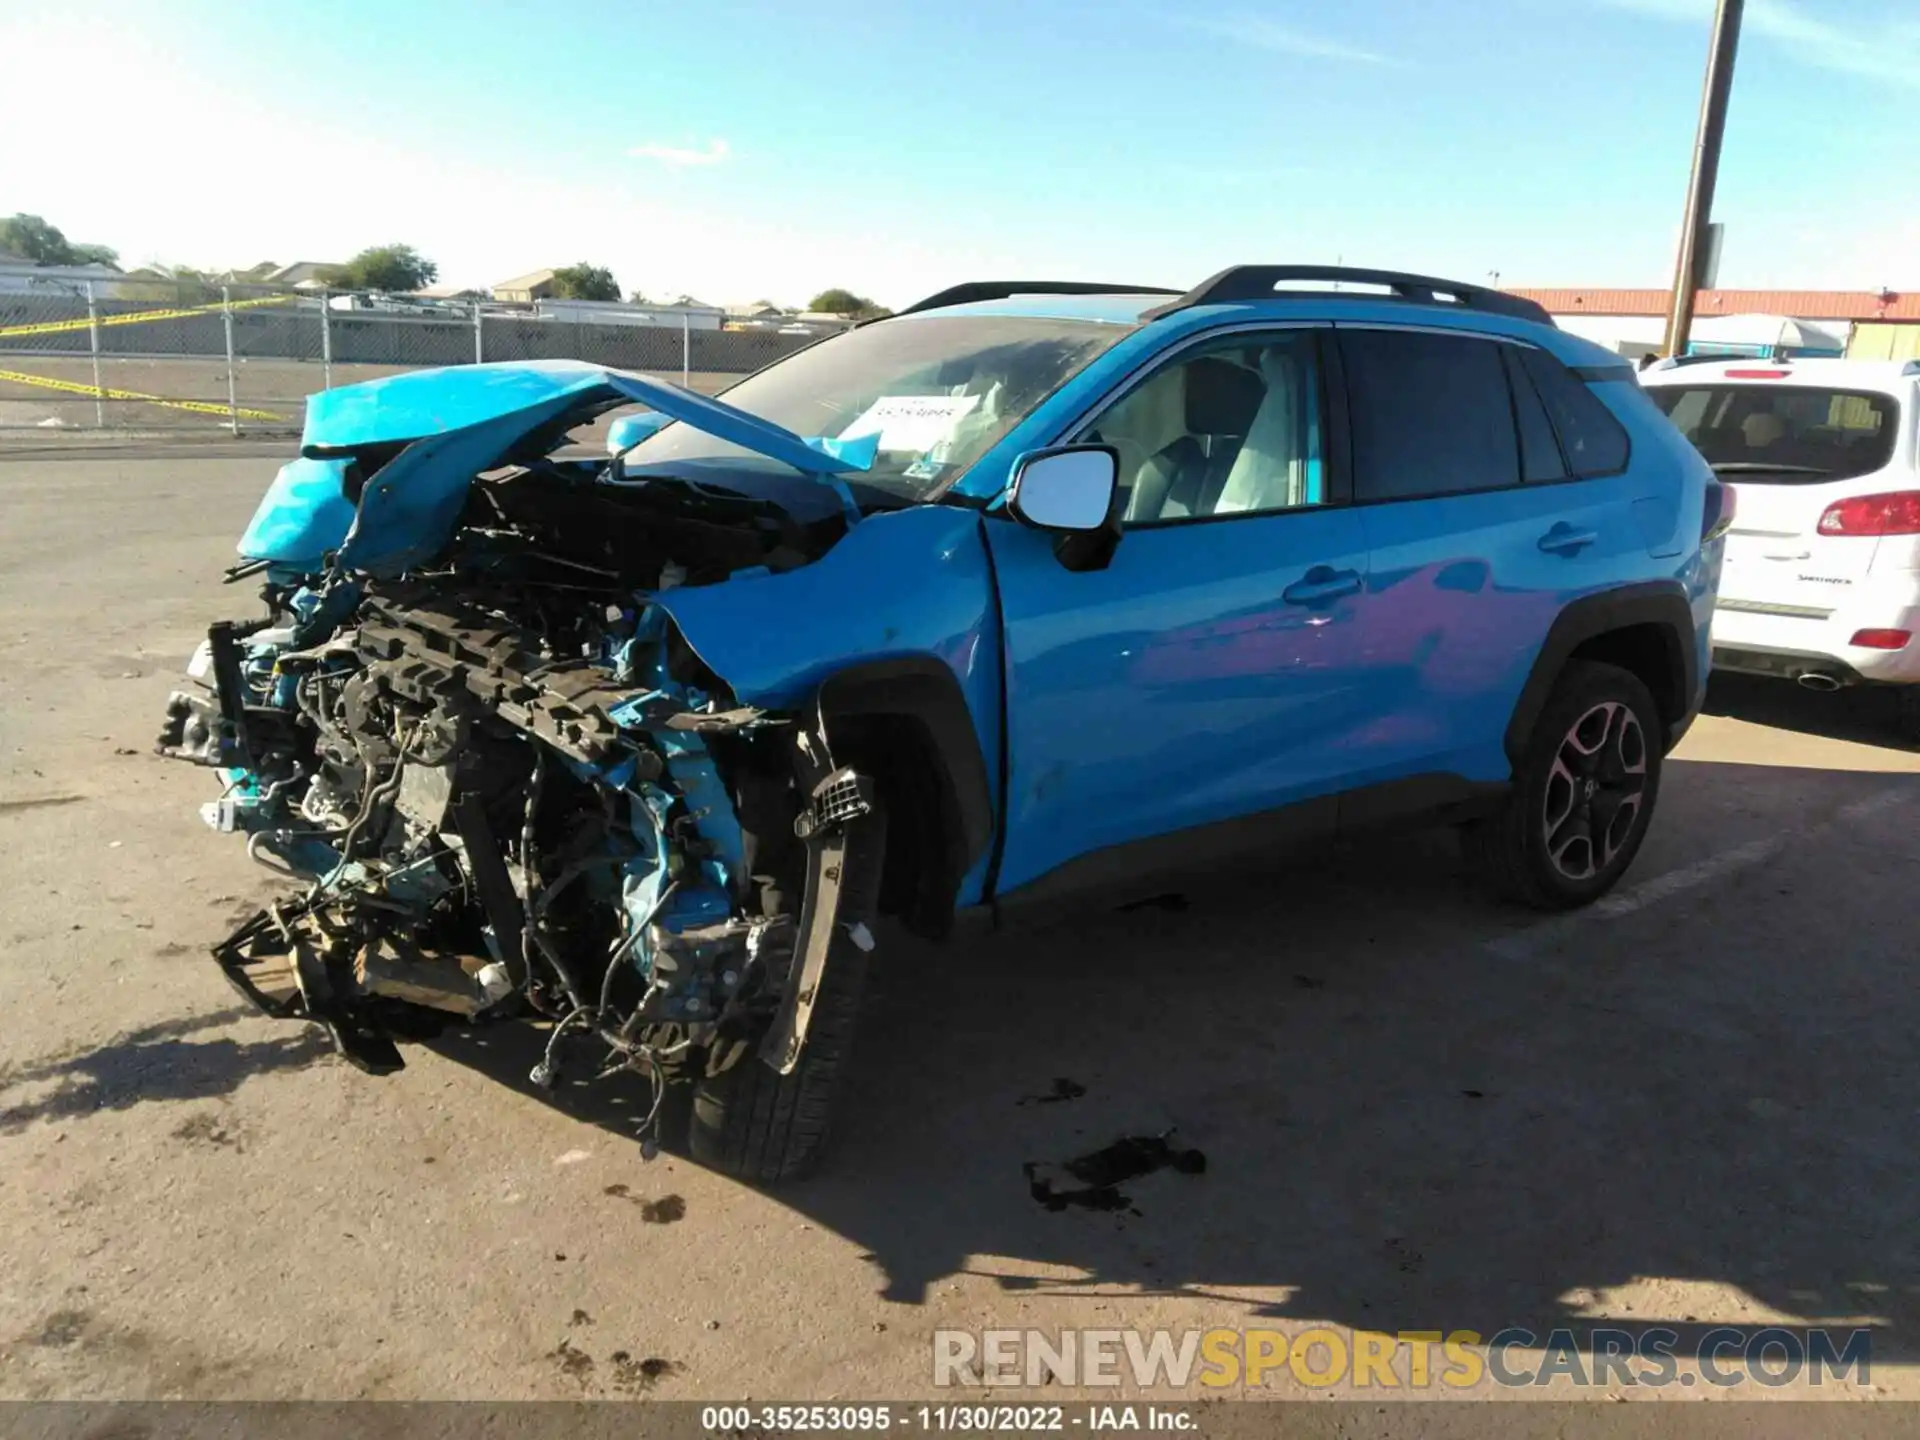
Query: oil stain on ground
pixel 206 1129
pixel 1063 1089
pixel 575 1364
pixel 664 1211
pixel 635 1377
pixel 1097 1177
pixel 629 1376
pixel 62 1329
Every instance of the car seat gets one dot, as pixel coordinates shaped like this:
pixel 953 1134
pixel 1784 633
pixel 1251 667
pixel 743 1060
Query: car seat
pixel 1186 476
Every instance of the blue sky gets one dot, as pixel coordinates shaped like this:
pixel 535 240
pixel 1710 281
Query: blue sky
pixel 736 150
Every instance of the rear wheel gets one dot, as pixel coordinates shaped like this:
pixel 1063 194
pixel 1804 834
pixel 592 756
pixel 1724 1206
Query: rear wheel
pixel 1582 796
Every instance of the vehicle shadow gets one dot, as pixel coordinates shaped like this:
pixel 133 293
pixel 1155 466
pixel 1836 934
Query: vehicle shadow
pixel 158 1062
pixel 1863 714
pixel 507 1054
pixel 1418 1111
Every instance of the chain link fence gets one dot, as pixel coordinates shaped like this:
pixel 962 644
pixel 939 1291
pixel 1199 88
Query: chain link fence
pixel 139 355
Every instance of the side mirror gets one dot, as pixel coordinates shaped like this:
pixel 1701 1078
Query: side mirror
pixel 629 430
pixel 1069 490
pixel 1073 491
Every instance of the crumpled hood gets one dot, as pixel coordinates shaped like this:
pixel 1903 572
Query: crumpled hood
pixel 422 403
pixel 456 422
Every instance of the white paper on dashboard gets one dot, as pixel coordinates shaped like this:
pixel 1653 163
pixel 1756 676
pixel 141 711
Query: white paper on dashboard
pixel 911 422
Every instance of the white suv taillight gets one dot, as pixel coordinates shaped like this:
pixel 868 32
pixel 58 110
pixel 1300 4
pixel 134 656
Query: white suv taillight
pixel 1895 513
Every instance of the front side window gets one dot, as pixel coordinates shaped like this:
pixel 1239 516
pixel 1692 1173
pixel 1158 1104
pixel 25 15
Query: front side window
pixel 1231 427
pixel 1431 414
pixel 935 392
pixel 1783 434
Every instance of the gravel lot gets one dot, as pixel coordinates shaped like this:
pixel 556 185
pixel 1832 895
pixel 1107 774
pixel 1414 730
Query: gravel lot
pixel 1694 1104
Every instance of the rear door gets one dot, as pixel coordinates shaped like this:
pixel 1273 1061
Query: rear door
pixel 1493 488
pixel 1790 451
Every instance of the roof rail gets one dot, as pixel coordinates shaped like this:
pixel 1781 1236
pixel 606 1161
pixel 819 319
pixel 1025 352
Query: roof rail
pixel 1259 282
pixel 975 291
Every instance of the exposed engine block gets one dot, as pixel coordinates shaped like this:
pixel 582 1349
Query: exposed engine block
pixel 506 794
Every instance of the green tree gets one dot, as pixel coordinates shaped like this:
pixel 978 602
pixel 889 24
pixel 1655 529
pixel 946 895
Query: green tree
pixel 585 282
pixel 385 267
pixel 35 239
pixel 841 301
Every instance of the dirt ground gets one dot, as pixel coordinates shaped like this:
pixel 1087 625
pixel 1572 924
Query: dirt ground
pixel 1693 1104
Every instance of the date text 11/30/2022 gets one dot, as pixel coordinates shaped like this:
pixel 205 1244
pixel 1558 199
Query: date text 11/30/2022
pixel 937 1419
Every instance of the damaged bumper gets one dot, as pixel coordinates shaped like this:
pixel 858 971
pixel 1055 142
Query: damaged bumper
pixel 428 892
pixel 503 787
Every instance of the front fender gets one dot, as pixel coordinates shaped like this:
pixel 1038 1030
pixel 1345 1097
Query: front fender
pixel 903 587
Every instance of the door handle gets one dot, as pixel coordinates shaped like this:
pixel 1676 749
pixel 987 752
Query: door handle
pixel 1563 539
pixel 1321 585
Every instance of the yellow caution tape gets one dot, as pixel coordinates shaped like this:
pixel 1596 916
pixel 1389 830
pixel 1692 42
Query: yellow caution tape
pixel 104 392
pixel 138 317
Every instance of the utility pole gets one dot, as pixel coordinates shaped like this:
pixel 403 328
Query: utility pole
pixel 1706 170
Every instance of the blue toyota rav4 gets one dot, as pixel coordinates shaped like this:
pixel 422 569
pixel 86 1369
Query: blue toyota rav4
pixel 1030 589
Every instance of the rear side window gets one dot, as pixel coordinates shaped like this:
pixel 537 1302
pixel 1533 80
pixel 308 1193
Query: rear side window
pixel 1783 434
pixel 1540 457
pixel 1591 439
pixel 1431 414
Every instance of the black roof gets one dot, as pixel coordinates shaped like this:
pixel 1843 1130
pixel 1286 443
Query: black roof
pixel 1261 282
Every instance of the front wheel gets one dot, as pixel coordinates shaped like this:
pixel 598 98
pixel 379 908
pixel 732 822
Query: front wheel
pixel 1582 796
pixel 758 1125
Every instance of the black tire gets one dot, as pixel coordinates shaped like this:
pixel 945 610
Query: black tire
pixel 1522 850
pixel 760 1126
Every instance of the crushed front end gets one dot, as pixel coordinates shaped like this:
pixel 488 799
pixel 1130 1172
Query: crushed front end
pixel 501 786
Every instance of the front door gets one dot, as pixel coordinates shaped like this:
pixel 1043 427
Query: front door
pixel 1208 673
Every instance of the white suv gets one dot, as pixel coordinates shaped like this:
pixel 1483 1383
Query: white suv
pixel 1822 576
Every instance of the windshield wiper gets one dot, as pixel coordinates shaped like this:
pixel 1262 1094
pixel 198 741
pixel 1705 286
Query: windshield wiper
pixel 1743 467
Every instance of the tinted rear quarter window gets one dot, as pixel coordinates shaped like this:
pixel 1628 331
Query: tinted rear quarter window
pixel 1540 457
pixel 1431 414
pixel 1592 440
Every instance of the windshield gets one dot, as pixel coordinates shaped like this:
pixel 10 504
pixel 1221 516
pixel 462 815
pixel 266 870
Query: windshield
pixel 936 391
pixel 1783 434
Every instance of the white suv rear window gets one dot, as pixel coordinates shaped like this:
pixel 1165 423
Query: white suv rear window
pixel 1783 434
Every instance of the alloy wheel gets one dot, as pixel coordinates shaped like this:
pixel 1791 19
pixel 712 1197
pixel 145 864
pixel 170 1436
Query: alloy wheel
pixel 1595 790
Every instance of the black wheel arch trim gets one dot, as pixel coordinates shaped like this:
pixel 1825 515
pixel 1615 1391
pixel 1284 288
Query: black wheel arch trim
pixel 923 689
pixel 1661 603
